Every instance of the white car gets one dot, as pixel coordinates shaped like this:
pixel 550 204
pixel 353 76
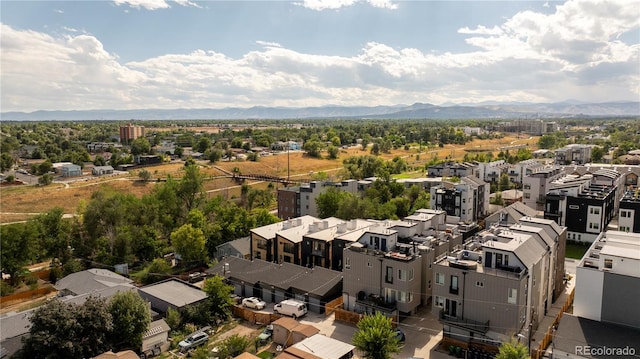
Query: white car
pixel 193 341
pixel 254 303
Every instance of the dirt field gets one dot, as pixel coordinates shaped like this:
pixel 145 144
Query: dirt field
pixel 21 202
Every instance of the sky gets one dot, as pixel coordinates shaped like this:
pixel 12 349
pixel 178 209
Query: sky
pixel 162 54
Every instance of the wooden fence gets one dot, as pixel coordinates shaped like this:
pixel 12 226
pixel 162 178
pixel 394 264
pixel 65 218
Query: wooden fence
pixel 28 295
pixel 347 316
pixel 331 307
pixel 254 317
pixel 537 353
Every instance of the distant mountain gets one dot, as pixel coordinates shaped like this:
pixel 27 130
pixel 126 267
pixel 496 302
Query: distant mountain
pixel 487 110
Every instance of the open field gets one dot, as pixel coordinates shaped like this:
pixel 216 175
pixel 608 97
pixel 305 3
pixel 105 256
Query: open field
pixel 22 202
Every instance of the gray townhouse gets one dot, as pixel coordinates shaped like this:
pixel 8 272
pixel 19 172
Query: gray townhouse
pixel 501 283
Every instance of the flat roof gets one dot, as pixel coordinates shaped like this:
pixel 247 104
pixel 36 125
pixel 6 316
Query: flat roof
pixel 578 332
pixel 175 292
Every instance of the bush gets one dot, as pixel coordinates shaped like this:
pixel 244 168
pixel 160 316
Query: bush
pixel 55 274
pixel 5 288
pixel 30 279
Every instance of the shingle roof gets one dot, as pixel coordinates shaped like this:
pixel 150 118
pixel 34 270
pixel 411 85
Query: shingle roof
pixel 91 280
pixel 318 280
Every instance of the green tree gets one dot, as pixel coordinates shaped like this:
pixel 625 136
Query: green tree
pixel 173 319
pixel 131 318
pixel 375 337
pixel 140 146
pixel 597 153
pixel 45 180
pixel 6 161
pixel 547 142
pixel 504 183
pixel 190 243
pixel 144 175
pixel 329 202
pixel 203 144
pixel 218 296
pixel 99 161
pixel 313 148
pixel 512 350
pixel 158 270
pixel 190 187
pixel 45 167
pixel 19 243
pixel 65 330
pixel 233 346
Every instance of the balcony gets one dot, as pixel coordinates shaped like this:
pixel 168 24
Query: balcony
pixel 318 253
pixel 480 327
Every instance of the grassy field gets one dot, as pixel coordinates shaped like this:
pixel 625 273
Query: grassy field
pixel 21 202
pixel 575 251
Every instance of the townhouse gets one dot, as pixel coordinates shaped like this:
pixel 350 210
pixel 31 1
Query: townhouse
pixel 501 283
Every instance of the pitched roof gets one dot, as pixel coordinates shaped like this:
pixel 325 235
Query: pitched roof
pixel 247 355
pixel 127 354
pixel 287 323
pixel 157 327
pixel 241 245
pixel 306 330
pixel 295 353
pixel 91 280
pixel 318 280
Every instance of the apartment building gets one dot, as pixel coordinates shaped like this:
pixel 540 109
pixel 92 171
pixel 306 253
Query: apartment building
pixel 491 171
pixel 451 169
pixel 467 199
pixel 629 212
pixel 388 268
pixel 584 204
pixel 605 310
pixel 572 154
pixel 501 283
pixel 264 243
pixel 536 184
pixel 130 132
pixel 301 200
pixel 517 172
pixel 608 280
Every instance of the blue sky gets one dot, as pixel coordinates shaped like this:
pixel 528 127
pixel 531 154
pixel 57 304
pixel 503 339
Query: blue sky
pixel 134 54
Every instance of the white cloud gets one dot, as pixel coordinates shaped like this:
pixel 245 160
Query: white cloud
pixel 268 44
pixel 481 30
pixel 575 52
pixel 320 5
pixel 59 11
pixel 146 4
pixel 154 4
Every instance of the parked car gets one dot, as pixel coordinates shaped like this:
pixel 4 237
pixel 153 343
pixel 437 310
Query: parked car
pixel 254 303
pixel 236 298
pixel 193 341
pixel 291 307
pixel 266 334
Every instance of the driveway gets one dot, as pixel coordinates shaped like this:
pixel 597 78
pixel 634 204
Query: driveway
pixel 422 331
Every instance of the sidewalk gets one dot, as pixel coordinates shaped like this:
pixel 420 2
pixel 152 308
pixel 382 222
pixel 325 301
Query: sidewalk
pixel 548 319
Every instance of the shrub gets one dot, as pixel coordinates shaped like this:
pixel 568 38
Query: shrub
pixel 5 288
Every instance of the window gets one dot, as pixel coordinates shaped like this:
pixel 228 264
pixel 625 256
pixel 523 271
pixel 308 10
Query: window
pixel 608 263
pixel 464 200
pixel 438 302
pixel 389 277
pixel 389 295
pixel 347 263
pixel 513 296
pixel 527 186
pixel 479 284
pixel 625 214
pixel 287 247
pixel 405 297
pixel 527 195
pixel 463 212
pixel 402 275
pixel 369 264
pixel 453 289
pixel 440 278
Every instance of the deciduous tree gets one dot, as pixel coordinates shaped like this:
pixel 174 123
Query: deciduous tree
pixel 131 318
pixel 375 337
pixel 190 243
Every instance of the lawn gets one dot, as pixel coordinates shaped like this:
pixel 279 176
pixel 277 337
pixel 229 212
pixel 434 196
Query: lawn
pixel 575 251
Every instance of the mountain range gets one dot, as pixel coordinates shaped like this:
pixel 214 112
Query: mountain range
pixel 487 110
